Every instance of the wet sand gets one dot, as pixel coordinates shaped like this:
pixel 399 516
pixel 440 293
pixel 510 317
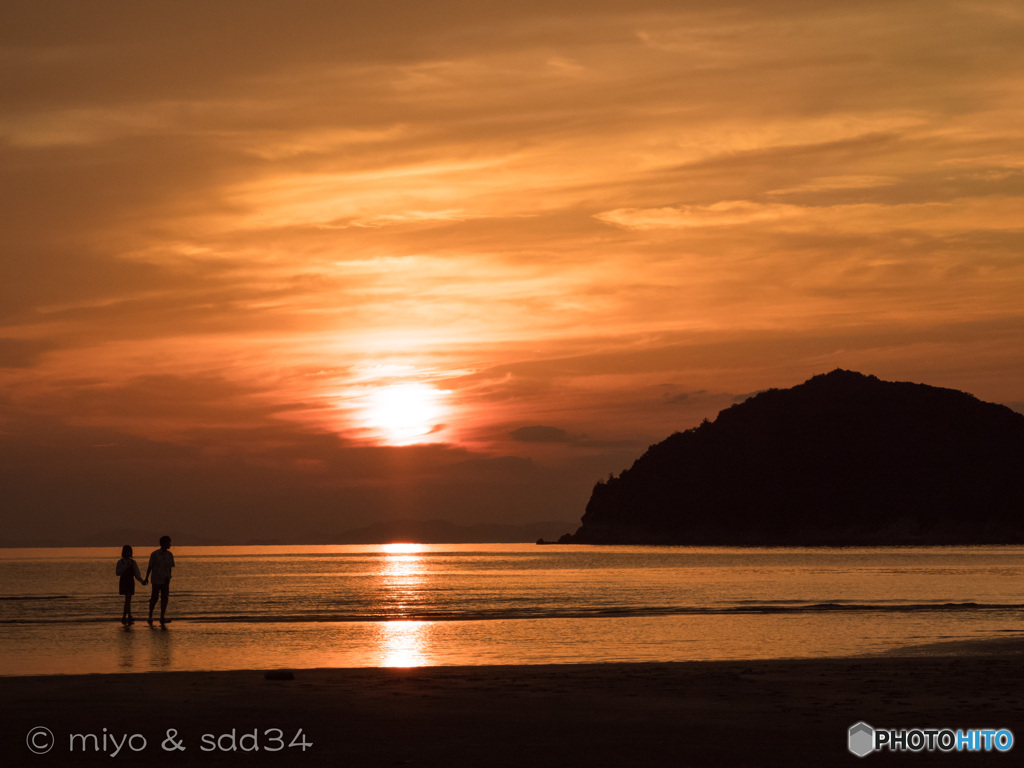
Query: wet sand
pixel 772 713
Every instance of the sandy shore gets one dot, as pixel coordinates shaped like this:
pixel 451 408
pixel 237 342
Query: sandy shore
pixel 777 713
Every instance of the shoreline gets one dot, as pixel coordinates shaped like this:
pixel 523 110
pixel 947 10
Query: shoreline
pixel 1009 642
pixel 762 712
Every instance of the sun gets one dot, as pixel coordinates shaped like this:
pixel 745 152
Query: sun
pixel 403 414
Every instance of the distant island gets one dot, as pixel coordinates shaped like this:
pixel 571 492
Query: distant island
pixel 842 459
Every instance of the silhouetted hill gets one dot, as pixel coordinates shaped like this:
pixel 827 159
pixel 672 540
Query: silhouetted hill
pixel 841 459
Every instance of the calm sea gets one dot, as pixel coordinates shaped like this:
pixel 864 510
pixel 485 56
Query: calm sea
pixel 411 605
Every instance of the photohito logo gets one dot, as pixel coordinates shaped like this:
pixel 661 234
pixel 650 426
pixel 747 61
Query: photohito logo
pixel 862 739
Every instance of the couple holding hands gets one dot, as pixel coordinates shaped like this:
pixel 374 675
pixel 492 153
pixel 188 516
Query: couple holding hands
pixel 160 564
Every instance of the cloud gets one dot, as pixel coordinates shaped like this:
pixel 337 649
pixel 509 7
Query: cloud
pixel 829 183
pixel 21 353
pixel 728 213
pixel 540 434
pixel 991 213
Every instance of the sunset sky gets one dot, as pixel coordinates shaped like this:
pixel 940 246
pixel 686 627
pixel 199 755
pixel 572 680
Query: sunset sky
pixel 272 269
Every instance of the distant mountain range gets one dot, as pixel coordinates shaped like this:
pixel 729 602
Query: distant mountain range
pixel 413 531
pixel 842 459
pixel 443 532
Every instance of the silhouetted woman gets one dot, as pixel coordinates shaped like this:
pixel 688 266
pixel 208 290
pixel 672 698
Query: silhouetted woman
pixel 128 570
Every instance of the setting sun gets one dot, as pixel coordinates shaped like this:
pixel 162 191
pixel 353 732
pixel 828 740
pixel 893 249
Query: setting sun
pixel 402 414
pixel 398 548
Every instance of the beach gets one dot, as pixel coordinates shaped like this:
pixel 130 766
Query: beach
pixel 771 713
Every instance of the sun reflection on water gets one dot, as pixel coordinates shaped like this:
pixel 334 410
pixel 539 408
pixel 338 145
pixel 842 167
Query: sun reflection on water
pixel 403 643
pixel 402 575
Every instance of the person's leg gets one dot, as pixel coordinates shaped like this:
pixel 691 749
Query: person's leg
pixel 127 608
pixel 165 591
pixel 152 602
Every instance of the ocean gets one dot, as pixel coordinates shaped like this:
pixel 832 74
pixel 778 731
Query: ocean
pixel 267 607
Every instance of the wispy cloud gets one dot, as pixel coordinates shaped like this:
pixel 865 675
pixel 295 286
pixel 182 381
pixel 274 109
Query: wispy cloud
pixel 966 215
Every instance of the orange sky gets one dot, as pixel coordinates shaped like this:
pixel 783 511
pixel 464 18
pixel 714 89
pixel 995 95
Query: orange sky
pixel 561 231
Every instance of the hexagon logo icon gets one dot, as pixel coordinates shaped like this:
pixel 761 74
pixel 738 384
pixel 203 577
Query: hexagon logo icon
pixel 861 739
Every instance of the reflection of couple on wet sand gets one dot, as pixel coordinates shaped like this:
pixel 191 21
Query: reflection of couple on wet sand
pixel 161 561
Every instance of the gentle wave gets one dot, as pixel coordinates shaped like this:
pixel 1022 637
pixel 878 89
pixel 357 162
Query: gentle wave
pixel 775 607
pixel 35 597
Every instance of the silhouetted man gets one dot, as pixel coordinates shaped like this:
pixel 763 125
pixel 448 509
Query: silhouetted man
pixel 160 564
